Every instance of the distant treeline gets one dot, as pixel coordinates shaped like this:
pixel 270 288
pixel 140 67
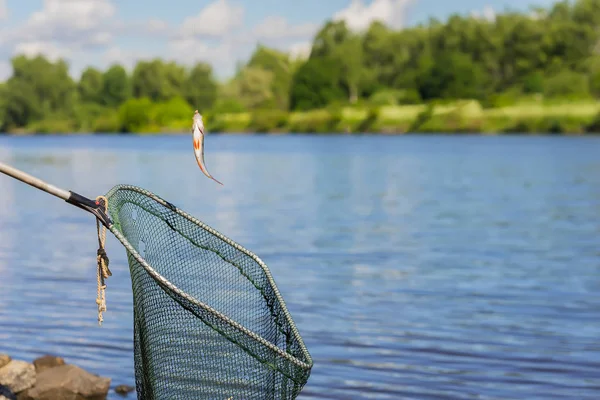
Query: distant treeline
pixel 464 74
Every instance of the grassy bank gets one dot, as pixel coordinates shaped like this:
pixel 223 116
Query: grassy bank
pixel 457 117
pixel 467 116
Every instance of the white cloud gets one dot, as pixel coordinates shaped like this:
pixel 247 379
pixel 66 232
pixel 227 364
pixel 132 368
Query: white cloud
pixel 359 16
pixel 48 49
pixel 488 13
pixel 3 10
pixel 222 56
pixel 72 22
pixel 277 27
pixel 216 19
pixel 156 25
pixel 300 50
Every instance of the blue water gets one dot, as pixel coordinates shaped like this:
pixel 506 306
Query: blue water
pixel 415 267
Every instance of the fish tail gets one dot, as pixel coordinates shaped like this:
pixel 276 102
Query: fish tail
pixel 205 171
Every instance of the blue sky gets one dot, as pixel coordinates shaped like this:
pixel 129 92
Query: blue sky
pixel 221 32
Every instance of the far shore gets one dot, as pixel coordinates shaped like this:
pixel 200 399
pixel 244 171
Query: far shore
pixel 457 117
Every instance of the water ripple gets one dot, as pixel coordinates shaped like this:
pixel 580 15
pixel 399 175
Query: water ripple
pixel 414 267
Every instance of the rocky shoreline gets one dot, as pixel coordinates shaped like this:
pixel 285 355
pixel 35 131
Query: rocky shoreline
pixel 51 378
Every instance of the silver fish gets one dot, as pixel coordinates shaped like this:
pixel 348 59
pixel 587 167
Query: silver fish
pixel 198 137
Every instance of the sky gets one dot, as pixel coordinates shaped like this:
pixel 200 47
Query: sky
pixel 221 32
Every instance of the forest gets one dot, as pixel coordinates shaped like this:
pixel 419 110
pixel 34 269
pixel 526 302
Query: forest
pixel 521 72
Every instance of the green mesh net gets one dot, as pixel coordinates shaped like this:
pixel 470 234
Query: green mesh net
pixel 209 322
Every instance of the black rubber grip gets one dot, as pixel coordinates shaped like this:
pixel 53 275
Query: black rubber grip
pixel 77 199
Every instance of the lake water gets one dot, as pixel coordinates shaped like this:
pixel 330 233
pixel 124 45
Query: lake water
pixel 415 267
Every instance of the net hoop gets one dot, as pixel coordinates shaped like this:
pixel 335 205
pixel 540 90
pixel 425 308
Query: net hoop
pixel 162 281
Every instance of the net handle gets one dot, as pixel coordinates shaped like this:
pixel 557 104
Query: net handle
pixel 69 196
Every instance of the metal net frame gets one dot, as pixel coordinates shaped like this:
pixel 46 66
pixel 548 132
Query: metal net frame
pixel 209 321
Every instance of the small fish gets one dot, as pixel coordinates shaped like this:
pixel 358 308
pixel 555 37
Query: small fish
pixel 198 136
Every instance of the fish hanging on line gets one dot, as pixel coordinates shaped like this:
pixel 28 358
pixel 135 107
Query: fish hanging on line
pixel 198 136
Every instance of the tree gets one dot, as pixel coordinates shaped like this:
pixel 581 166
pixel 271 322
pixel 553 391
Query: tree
pixel 452 76
pixel 134 114
pixel 116 88
pixel 157 80
pixel 327 40
pixel 37 88
pixel 280 66
pixel 336 43
pixel 200 87
pixel 91 85
pixel 254 88
pixel 316 84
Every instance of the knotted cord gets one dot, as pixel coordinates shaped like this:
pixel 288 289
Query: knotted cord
pixel 103 272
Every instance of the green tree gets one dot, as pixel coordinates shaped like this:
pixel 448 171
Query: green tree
pixel 316 84
pixel 567 84
pixel 335 42
pixel 280 66
pixel 37 89
pixel 116 87
pixel 452 76
pixel 200 88
pixel 91 86
pixel 173 110
pixel 253 88
pixel 157 80
pixel 329 37
pixel 134 114
pixel 21 105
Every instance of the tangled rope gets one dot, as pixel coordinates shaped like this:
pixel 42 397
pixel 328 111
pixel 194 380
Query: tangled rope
pixel 103 272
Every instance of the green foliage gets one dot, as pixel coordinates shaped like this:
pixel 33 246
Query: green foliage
pixel 316 84
pixel 37 89
pixel 228 106
pixel 278 64
pixel 533 82
pixel 107 122
pixel 53 124
pixel 594 125
pixel 116 86
pixel 21 104
pixel 86 115
pixel 200 87
pixel 567 84
pixel 317 121
pixel 392 97
pixel 367 123
pixel 268 120
pixel 453 76
pixel 134 114
pixel 253 88
pixel 157 80
pixel 168 112
pixel 90 86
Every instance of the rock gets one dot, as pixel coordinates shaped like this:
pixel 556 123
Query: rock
pixel 67 382
pixel 122 389
pixel 45 362
pixel 4 359
pixel 17 375
pixel 6 393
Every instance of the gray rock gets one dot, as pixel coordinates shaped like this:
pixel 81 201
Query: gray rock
pixel 67 382
pixel 46 362
pixel 4 359
pixel 17 375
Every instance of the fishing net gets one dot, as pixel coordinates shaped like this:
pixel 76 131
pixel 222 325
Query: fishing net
pixel 209 322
